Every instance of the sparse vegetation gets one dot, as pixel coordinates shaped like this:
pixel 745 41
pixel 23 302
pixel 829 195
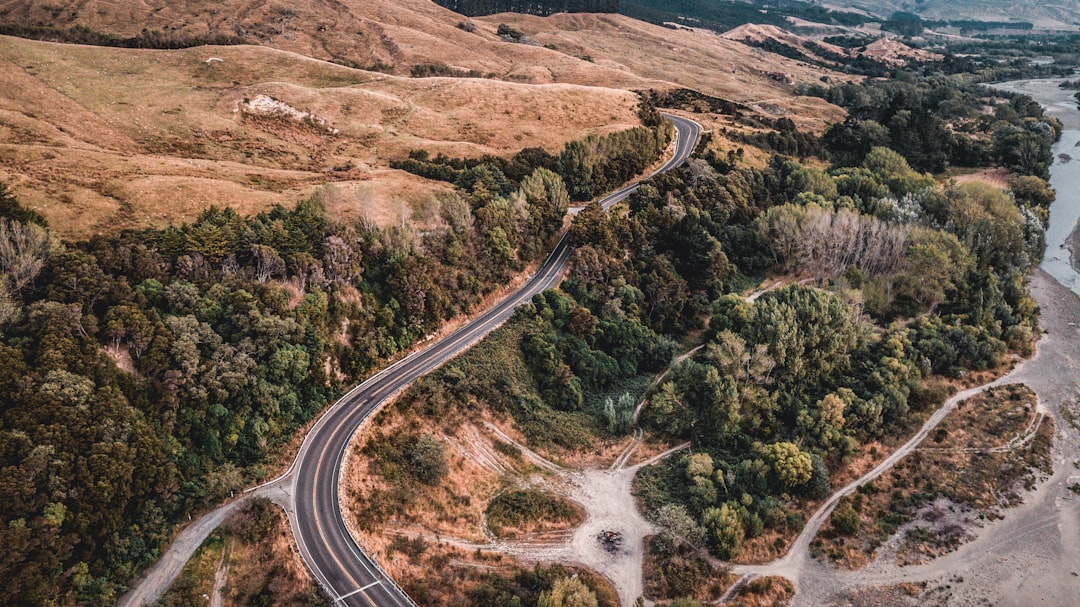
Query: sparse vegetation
pixel 441 70
pixel 510 33
pixel 254 552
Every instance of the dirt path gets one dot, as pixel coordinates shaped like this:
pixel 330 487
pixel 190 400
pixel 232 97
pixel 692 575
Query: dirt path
pixel 1032 556
pixel 221 576
pixel 609 504
pixel 660 378
pixel 159 577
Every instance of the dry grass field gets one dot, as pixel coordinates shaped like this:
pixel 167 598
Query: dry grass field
pixel 978 463
pixel 101 138
pixel 104 138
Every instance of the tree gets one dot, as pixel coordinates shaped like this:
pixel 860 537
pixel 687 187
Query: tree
pixel 268 263
pixel 677 523
pixel 724 529
pixel 792 466
pixel 547 199
pixel 845 519
pixel 576 167
pixel 1032 191
pixel 934 265
pixel 10 209
pixel 891 169
pixel 428 460
pixel 23 249
pixel 9 307
pixel 568 592
pixel 809 333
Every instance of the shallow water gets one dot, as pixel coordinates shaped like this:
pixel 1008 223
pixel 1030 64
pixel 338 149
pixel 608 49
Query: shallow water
pixel 1064 175
pixel 1064 212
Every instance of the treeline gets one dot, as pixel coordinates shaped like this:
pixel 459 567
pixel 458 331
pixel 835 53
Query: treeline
pixel 784 138
pixel 441 70
pixel 588 167
pixel 940 122
pixel 151 39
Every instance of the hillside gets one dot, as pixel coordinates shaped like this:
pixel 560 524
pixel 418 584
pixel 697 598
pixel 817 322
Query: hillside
pixel 696 59
pixel 172 133
pixel 722 15
pixel 488 7
pixel 885 50
pixel 1043 15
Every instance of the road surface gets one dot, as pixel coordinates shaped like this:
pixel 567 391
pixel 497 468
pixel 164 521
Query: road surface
pixel 308 490
pixel 348 575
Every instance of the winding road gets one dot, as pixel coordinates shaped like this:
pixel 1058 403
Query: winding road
pixel 309 489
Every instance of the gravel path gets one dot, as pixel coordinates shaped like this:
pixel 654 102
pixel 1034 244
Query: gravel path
pixel 606 496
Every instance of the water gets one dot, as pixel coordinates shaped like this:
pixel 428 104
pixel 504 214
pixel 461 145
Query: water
pixel 1064 212
pixel 1064 175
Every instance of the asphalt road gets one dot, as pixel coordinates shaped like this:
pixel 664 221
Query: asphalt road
pixel 344 571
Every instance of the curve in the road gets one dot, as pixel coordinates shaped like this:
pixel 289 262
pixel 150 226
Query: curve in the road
pixel 345 572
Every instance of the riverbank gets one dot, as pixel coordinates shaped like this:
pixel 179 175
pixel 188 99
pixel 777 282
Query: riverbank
pixel 1062 235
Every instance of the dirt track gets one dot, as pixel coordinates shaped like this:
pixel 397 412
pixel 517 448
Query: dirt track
pixel 1032 556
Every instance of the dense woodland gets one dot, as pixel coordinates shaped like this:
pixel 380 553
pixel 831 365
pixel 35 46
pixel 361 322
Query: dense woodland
pixel 911 284
pixel 150 374
pixel 940 122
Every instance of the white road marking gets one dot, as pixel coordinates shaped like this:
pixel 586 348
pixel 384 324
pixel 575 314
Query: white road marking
pixel 357 591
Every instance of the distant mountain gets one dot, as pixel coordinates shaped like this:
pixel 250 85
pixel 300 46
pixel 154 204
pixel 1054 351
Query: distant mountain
pixel 962 14
pixel 1061 14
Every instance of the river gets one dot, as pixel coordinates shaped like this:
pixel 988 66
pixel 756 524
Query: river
pixel 1064 174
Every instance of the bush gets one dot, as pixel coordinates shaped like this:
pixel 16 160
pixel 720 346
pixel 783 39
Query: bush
pixel 845 520
pixel 428 460
pixel 524 507
pixel 510 33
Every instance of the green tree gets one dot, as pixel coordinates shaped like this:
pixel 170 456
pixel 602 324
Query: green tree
pixel 792 466
pixel 568 592
pixel 725 530
pixel 428 460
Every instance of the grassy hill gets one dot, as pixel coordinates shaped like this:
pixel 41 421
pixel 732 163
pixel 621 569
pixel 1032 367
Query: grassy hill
pixel 1043 15
pixel 101 138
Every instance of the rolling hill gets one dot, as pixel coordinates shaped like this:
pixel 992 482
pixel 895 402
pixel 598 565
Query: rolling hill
pixel 102 138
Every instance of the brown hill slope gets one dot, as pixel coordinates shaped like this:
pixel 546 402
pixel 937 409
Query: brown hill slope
pixel 101 138
pixel 884 50
pixel 396 36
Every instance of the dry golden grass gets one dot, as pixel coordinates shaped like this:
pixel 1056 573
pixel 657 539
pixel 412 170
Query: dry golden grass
pixel 271 562
pixel 771 591
pixel 998 178
pixel 253 552
pixel 695 59
pixel 99 139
